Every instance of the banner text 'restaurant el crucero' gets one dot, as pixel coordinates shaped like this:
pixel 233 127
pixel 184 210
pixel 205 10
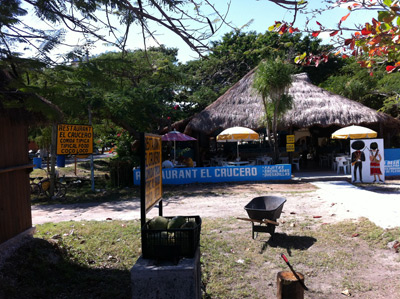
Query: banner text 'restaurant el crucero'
pixel 175 176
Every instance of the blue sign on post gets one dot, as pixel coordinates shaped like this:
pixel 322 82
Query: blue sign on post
pixel 177 176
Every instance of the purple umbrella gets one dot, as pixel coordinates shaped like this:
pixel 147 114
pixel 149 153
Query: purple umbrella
pixel 176 136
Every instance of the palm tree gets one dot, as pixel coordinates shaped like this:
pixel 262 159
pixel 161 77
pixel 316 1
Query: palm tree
pixel 272 80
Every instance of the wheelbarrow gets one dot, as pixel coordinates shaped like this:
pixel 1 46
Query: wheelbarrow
pixel 264 210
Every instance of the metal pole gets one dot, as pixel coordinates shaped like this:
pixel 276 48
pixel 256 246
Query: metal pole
pixel 142 179
pixel 53 152
pixel 90 123
pixel 91 155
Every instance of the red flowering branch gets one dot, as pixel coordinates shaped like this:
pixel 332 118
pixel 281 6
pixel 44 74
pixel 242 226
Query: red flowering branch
pixel 377 42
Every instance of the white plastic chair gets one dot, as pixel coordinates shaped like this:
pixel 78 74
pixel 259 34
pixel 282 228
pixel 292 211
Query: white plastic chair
pixel 334 163
pixel 342 163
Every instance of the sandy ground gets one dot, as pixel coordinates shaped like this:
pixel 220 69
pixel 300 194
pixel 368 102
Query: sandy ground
pixel 329 201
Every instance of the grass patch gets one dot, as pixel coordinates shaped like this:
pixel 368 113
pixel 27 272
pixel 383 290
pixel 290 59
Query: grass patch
pixel 93 259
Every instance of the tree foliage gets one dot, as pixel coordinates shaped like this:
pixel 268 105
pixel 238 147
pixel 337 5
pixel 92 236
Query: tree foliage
pixel 233 57
pixel 374 43
pixel 272 81
pixel 379 92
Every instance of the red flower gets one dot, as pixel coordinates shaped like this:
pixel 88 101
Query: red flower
pixel 365 31
pixel 390 68
pixel 315 33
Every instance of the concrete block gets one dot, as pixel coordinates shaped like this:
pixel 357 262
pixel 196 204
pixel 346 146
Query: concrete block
pixel 153 279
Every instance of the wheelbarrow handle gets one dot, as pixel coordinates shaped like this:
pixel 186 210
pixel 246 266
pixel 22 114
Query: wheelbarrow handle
pixel 259 221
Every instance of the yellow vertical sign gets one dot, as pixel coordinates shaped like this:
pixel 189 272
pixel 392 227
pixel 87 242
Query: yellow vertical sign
pixel 153 170
pixel 289 138
pixel 290 143
pixel 290 147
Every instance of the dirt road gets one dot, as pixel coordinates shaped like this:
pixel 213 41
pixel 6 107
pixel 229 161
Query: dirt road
pixel 323 201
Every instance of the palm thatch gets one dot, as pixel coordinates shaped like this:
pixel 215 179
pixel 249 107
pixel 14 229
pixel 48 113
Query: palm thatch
pixel 312 105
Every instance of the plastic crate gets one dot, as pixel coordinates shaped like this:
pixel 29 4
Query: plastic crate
pixel 171 243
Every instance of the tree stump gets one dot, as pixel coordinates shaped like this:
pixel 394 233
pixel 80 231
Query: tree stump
pixel 288 286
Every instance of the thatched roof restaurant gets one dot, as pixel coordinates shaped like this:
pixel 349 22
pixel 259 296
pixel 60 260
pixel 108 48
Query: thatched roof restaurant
pixel 241 105
pixel 316 113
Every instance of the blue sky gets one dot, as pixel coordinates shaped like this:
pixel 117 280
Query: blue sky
pixel 262 13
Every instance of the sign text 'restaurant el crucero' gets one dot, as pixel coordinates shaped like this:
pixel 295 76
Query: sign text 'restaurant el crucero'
pixel 177 176
pixel 74 139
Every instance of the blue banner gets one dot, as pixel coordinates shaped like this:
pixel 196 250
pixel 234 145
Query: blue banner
pixel 392 161
pixel 177 176
pixel 392 153
pixel 392 167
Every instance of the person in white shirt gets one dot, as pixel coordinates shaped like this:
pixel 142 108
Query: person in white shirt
pixel 167 164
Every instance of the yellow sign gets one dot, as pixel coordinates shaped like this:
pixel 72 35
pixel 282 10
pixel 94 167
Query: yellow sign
pixel 153 170
pixel 289 138
pixel 290 147
pixel 74 139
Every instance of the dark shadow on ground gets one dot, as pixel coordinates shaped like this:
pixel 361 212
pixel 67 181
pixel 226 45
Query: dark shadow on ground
pixel 388 187
pixel 287 242
pixel 40 269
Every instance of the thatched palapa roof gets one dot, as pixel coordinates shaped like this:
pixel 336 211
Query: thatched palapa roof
pixel 241 105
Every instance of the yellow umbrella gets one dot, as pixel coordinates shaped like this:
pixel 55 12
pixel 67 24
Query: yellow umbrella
pixel 354 132
pixel 236 134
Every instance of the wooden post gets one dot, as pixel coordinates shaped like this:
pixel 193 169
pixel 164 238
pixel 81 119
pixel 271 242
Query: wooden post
pixel 288 286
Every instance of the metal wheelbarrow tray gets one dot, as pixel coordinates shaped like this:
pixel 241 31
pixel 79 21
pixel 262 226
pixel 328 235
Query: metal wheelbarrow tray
pixel 264 210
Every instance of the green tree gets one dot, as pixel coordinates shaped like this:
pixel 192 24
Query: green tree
pixel 135 89
pixel 234 56
pixel 379 92
pixel 354 83
pixel 389 86
pixel 141 88
pixel 272 81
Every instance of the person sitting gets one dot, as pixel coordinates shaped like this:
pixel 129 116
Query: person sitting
pixel 188 162
pixel 167 164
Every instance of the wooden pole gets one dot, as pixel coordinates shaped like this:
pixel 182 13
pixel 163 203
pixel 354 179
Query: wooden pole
pixel 288 286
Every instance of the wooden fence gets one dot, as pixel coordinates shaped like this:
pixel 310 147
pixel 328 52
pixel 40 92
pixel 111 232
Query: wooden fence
pixel 15 206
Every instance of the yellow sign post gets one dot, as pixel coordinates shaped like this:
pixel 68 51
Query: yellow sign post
pixel 74 139
pixel 153 171
pixel 290 143
pixel 150 174
pixel 289 138
pixel 290 147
